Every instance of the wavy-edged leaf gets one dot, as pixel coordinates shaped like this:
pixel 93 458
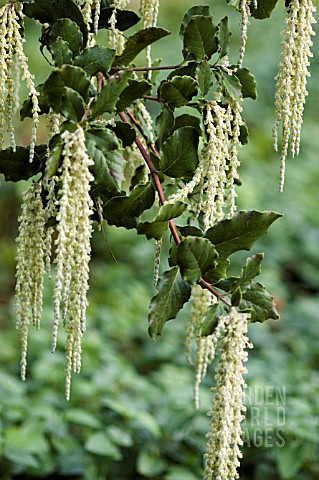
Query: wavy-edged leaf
pixel 61 54
pixel 109 95
pixel 159 225
pixel 134 90
pixel 232 86
pixel 204 77
pixel 16 165
pixel 247 81
pixel 95 59
pixel 47 11
pixel 189 70
pixel 178 91
pixel 180 153
pixel 108 169
pixel 223 36
pixel 250 270
pixel 202 10
pixel 137 43
pixel 195 256
pixel 187 120
pixel 259 303
pixel 199 38
pixel 164 125
pixel 122 211
pixel 240 232
pixel 173 293
pixel 69 31
pixel 67 89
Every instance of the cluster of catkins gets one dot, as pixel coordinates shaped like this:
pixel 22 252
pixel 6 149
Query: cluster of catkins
pixel 66 199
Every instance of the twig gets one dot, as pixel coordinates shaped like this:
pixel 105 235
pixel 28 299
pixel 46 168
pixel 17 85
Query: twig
pixel 161 195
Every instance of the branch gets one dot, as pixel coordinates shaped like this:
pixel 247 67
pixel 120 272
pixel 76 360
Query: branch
pixel 146 69
pixel 162 198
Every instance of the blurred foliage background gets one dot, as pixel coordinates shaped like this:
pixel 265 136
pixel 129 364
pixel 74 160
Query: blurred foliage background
pixel 131 413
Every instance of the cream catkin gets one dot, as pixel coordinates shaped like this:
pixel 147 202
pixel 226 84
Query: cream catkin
pixel 291 81
pixel 244 8
pixel 12 59
pixel 73 248
pixel 224 439
pixel 116 38
pixel 149 10
pixel 30 267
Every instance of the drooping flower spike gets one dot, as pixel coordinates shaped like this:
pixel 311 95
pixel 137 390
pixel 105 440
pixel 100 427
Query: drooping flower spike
pixel 291 86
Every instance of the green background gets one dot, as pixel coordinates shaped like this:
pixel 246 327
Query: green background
pixel 131 413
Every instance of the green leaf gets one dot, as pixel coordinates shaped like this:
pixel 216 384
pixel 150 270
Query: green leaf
pixel 190 230
pixel 250 270
pixel 72 105
pixel 188 70
pixel 61 54
pixel 124 132
pixel 164 125
pixel 149 465
pixel 108 169
pixel 79 416
pixel 223 36
pixel 195 256
pixel 159 225
pixel 173 293
pixel 232 86
pixel 210 319
pixel 16 165
pixel 178 91
pixel 240 232
pixel 134 90
pixel 258 302
pixel 47 11
pixel 137 43
pixel 100 444
pixel 202 10
pixel 67 90
pixel 68 9
pixel 264 9
pixel 109 95
pixel 236 297
pixel 204 77
pixel 248 82
pixel 124 18
pixel 199 38
pixel 122 210
pixel 243 137
pixel 234 3
pixel 68 31
pixel 179 153
pixel 95 59
pixel 186 120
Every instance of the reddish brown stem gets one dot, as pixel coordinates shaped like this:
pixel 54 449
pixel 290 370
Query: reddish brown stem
pixel 161 195
pixel 146 69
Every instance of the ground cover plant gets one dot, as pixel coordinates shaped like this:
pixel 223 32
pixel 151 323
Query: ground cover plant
pixel 107 160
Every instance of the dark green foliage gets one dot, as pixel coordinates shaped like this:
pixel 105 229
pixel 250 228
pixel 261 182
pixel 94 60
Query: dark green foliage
pixel 109 95
pixel 124 18
pixel 195 256
pixel 95 59
pixel 123 211
pixel 178 91
pixel 180 153
pixel 159 225
pixel 173 293
pixel 102 146
pixel 16 165
pixel 137 42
